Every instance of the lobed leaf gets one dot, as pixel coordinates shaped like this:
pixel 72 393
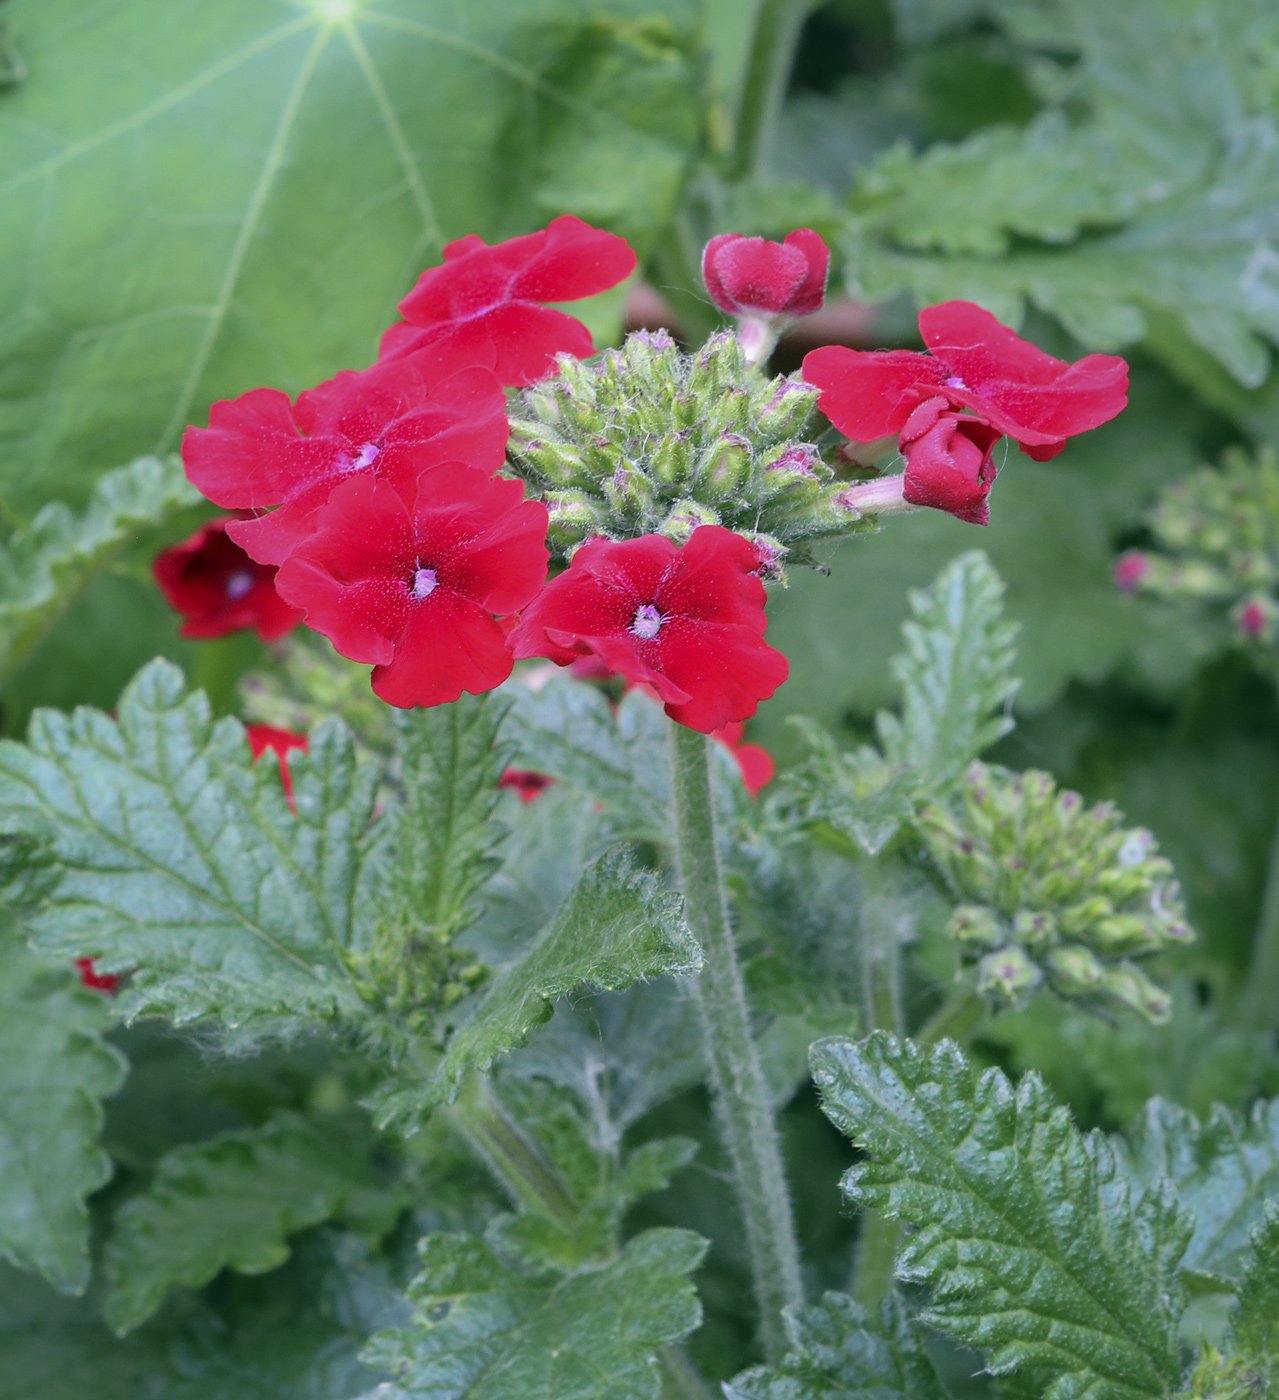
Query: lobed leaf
pixel 841 1352
pixel 486 1332
pixel 171 855
pixel 55 1069
pixel 1256 1321
pixel 45 565
pixel 232 1202
pixel 1030 1238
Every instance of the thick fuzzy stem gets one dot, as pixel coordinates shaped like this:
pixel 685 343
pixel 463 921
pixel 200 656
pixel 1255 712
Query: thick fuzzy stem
pixel 743 1110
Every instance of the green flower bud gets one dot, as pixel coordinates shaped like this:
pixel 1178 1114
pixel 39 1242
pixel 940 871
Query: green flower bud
pixel 573 516
pixel 1076 971
pixel 790 409
pixel 725 467
pixel 1122 933
pixel 1034 928
pixel 1133 989
pixel 629 492
pixel 671 461
pixel 685 518
pixel 976 926
pixel 1008 975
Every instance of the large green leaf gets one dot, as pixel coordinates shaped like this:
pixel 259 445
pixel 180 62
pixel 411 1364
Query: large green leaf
pixel 1029 1236
pixel 486 1332
pixel 196 199
pixel 842 1353
pixel 55 1069
pixel 173 856
pixel 1223 1170
pixel 1256 1324
pixel 232 1202
pixel 1147 189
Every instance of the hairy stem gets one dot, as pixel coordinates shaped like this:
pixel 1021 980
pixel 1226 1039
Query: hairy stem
pixel 743 1111
pixel 956 1018
pixel 772 55
pixel 1261 997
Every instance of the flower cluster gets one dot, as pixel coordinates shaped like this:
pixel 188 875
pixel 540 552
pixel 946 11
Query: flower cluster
pixel 1218 533
pixel 1052 891
pixel 949 408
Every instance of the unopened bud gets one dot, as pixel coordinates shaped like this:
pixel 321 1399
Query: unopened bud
pixel 1256 617
pixel 1035 928
pixel 1121 933
pixel 630 492
pixel 1084 914
pixel 771 553
pixel 1129 570
pixel 716 367
pixel 558 463
pixel 1136 991
pixel 671 460
pixel 790 410
pixel 977 926
pixel 725 467
pixel 1008 974
pixel 1076 971
pixel 686 517
pixel 572 515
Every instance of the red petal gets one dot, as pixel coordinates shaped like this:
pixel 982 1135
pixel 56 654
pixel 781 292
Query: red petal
pixel 754 274
pixel 812 290
pixel 576 261
pixel 757 766
pixel 726 670
pixel 868 394
pixel 251 452
pixel 450 645
pixel 714 580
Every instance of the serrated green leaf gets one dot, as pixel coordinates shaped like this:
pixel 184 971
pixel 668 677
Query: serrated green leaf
pixel 1256 1323
pixel 145 271
pixel 1147 188
pixel 1223 1170
pixel 175 857
pixel 616 927
pixel 841 1352
pixel 45 565
pixel 1026 1231
pixel 232 1202
pixel 486 1332
pixel 55 1069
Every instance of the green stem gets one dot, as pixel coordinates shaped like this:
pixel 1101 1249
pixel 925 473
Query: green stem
pixel 1261 997
pixel 743 1111
pixel 772 56
pixel 955 1019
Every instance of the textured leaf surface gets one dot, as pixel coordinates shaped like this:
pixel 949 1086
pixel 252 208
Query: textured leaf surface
pixel 44 566
pixel 55 1069
pixel 175 857
pixel 1223 1170
pixel 1026 1230
pixel 1147 189
pixel 616 927
pixel 1256 1324
pixel 486 1332
pixel 232 1202
pixel 842 1353
pixel 145 271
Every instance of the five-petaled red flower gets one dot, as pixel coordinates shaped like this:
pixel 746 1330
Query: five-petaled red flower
pixel 483 305
pixel 757 277
pixel 218 589
pixel 262 737
pixel 978 364
pixel 418 591
pixel 392 420
pixel 949 461
pixel 687 621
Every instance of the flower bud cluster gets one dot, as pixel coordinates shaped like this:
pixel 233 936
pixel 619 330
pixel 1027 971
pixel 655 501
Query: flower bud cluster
pixel 647 440
pixel 1053 892
pixel 1218 533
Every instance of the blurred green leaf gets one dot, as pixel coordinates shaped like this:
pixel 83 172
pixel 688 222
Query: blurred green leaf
pixel 55 1069
pixel 146 269
pixel 1256 1324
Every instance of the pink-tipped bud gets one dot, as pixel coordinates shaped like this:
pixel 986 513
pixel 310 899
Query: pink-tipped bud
pixel 1256 617
pixel 1129 570
pixel 757 277
pixel 949 461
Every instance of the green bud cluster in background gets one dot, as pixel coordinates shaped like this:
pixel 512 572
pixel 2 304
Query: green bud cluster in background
pixel 647 440
pixel 1051 891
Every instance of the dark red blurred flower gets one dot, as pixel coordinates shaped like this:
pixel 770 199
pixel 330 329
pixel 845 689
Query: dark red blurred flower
pixel 265 736
pixel 417 592
pixel 482 306
pixel 1130 568
pixel 528 784
pixel 754 760
pixel 949 462
pixel 976 363
pixel 1254 619
pixel 392 420
pixel 755 276
pixel 99 981
pixel 218 589
pixel 687 621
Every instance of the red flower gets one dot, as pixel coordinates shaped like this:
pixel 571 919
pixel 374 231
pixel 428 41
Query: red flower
pixel 264 736
pixel 1130 568
pixel 482 306
pixel 687 621
pixel 754 760
pixel 214 584
pixel 949 463
pixel 415 590
pixel 976 363
pixel 528 784
pixel 392 420
pixel 754 276
pixel 99 981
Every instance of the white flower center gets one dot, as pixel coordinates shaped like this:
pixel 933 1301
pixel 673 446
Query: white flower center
pixel 365 457
pixel 424 583
pixel 647 622
pixel 955 382
pixel 238 584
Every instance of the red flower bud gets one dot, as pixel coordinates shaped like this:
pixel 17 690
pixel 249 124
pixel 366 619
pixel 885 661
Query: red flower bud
pixel 756 277
pixel 949 463
pixel 528 784
pixel 1129 570
pixel 483 306
pixel 218 589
